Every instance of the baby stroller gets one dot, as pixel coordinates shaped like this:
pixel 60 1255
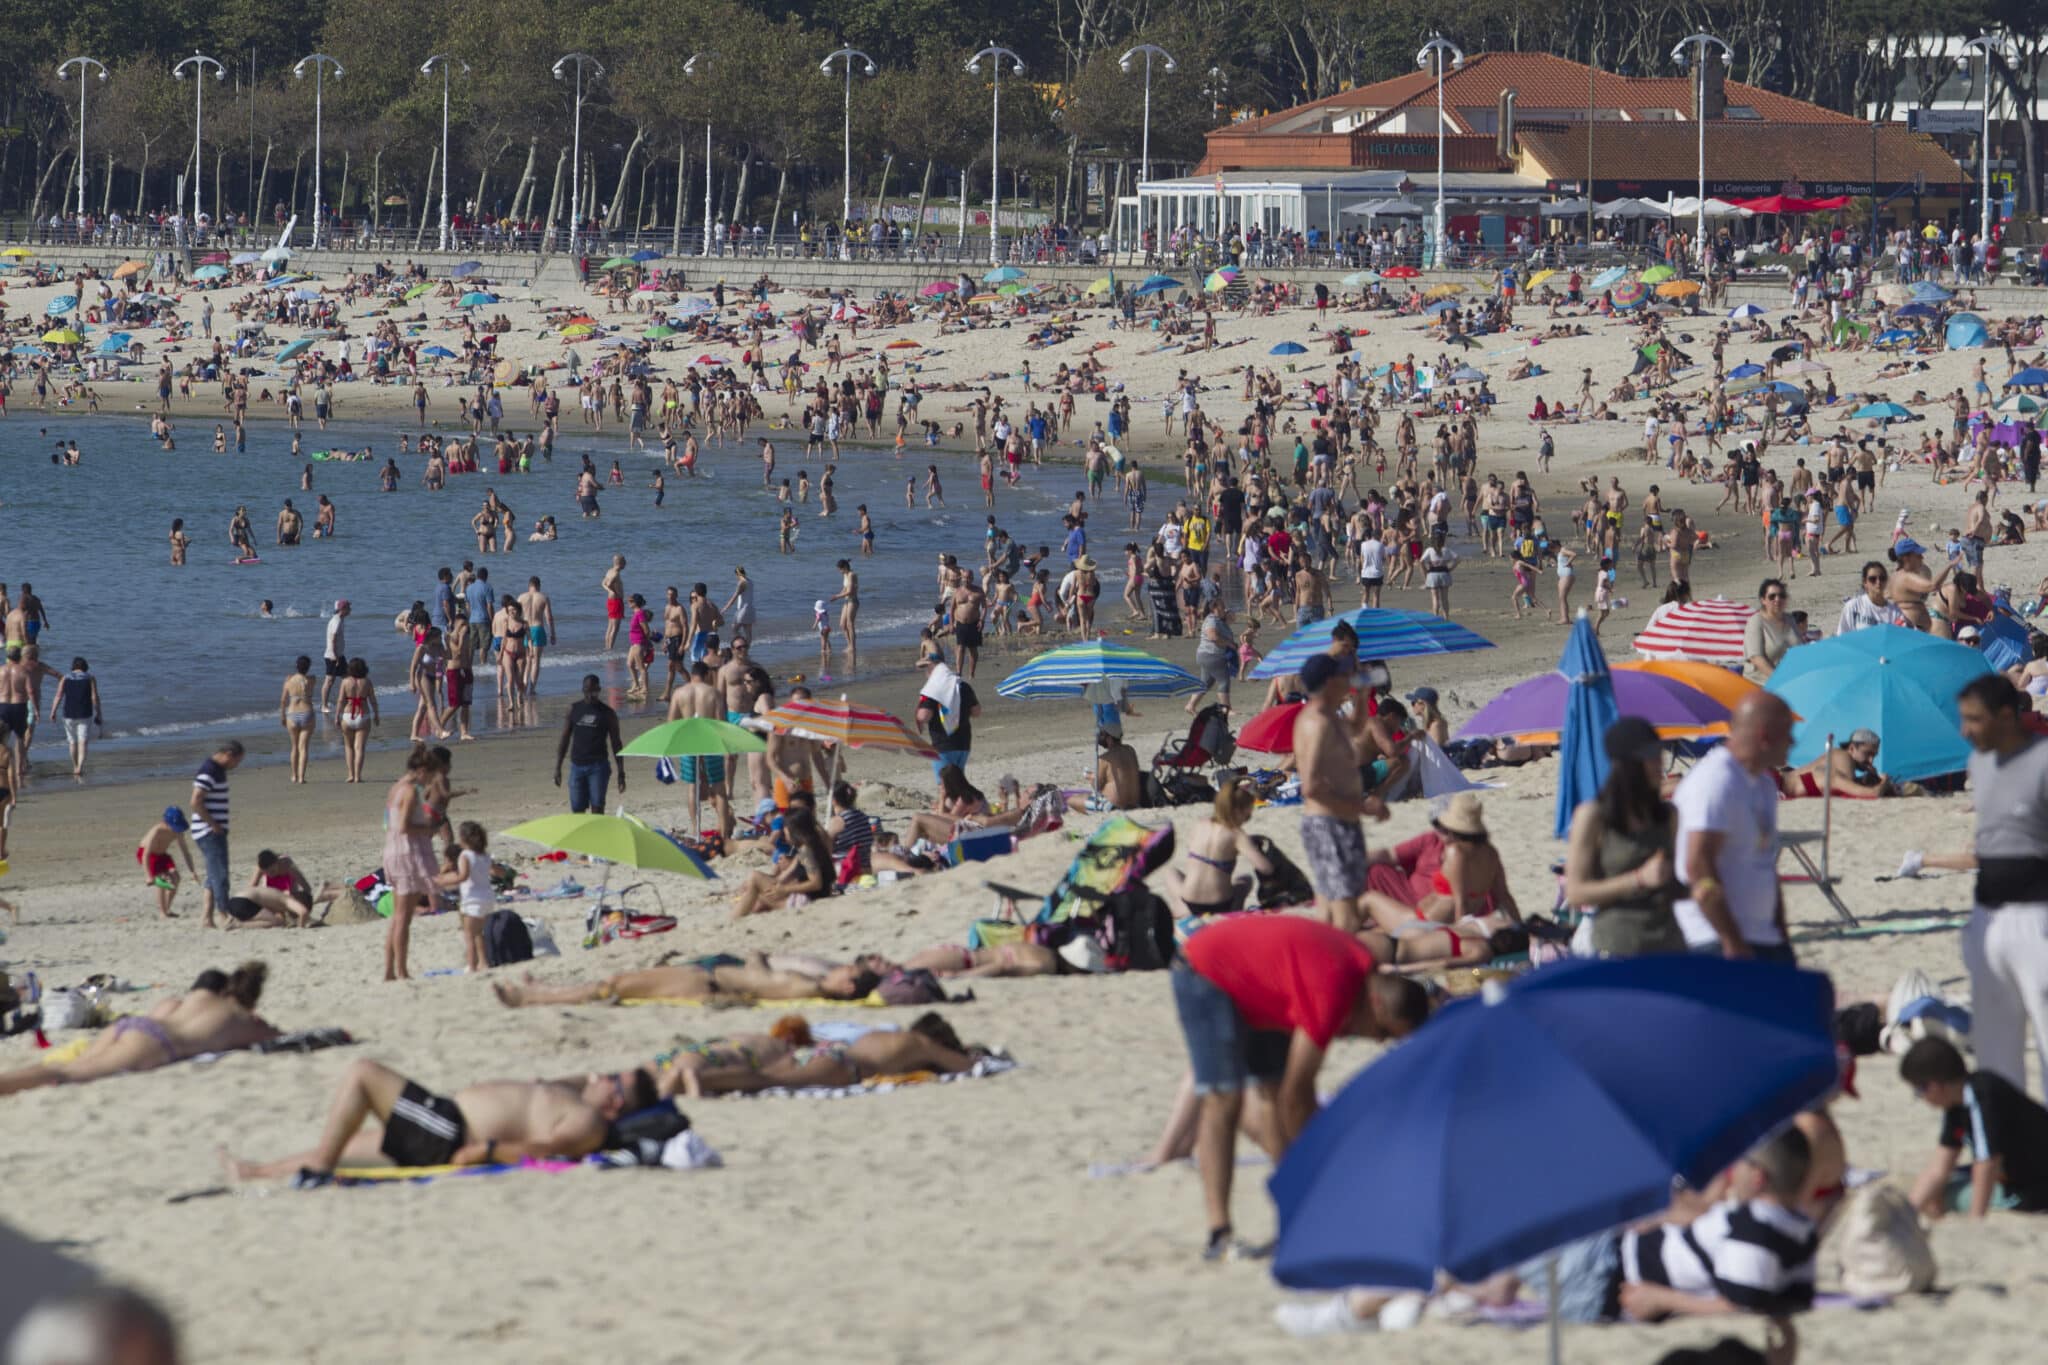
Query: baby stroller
pixel 1180 762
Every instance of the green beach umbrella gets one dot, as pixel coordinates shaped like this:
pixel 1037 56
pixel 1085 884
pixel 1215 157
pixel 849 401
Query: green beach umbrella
pixel 1657 274
pixel 614 839
pixel 660 331
pixel 694 737
pixel 418 290
pixel 618 263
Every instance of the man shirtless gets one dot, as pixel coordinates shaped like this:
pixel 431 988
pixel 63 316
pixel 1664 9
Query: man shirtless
pixel 736 682
pixel 701 622
pixel 480 1125
pixel 1332 794
pixel 540 630
pixel 16 692
pixel 1680 543
pixel 720 976
pixel 614 585
pixel 1117 784
pixel 697 698
pixel 967 608
pixel 1311 593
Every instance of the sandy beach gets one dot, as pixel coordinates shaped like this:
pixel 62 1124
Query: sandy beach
pixel 950 1222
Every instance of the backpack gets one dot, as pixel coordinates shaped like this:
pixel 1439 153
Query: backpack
pixel 1285 885
pixel 1136 930
pixel 506 939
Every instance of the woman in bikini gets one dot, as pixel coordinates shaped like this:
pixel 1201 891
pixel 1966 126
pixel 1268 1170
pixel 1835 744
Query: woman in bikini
pixel 217 1015
pixel 1910 585
pixel 1207 884
pixel 929 1044
pixel 1470 882
pixel 410 820
pixel 512 652
pixel 295 711
pixel 849 596
pixel 356 708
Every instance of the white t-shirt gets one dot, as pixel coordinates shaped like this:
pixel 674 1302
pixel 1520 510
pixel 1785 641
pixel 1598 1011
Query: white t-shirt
pixel 1372 559
pixel 1719 794
pixel 478 899
pixel 335 636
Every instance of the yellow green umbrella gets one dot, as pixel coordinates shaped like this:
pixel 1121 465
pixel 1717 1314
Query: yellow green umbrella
pixel 1103 286
pixel 17 252
pixel 613 839
pixel 1657 274
pixel 694 736
pixel 618 263
pixel 62 336
pixel 578 329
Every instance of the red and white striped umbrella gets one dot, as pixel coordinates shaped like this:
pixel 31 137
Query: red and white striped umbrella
pixel 845 722
pixel 1709 631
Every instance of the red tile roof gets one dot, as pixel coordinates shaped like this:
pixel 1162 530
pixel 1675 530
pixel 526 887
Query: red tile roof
pixel 1737 152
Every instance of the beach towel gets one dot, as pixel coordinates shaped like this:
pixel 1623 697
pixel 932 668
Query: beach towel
pixel 685 1152
pixel 873 1000
pixel 943 686
pixel 993 1065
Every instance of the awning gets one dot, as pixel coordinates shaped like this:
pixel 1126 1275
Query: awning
pixel 1383 208
pixel 1785 203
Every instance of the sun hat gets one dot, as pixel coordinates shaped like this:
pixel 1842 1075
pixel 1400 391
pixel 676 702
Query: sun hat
pixel 1462 815
pixel 1086 563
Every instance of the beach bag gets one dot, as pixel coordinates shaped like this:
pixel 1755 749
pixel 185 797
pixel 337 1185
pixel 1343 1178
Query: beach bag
pixel 1136 930
pixel 543 938
pixel 911 986
pixel 506 939
pixel 1286 885
pixel 66 1009
pixel 1880 1246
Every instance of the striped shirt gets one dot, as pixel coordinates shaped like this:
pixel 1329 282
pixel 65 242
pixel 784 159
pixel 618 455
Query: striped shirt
pixel 856 831
pixel 210 793
pixel 1757 1255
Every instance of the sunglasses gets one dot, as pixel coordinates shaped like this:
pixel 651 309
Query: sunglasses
pixel 1774 597
pixel 1873 578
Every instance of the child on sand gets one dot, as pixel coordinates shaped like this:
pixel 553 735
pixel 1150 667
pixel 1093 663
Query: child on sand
pixel 470 874
pixel 154 855
pixel 2004 1131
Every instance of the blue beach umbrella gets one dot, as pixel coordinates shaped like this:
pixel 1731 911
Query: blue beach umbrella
pixel 1610 276
pixel 438 352
pixel 477 299
pixel 1885 412
pixel 2033 377
pixel 296 349
pixel 1926 291
pixel 644 255
pixel 1747 310
pixel 1917 310
pixel 59 306
pixel 1002 274
pixel 465 269
pixel 210 272
pixel 1965 332
pixel 246 258
pixel 1745 371
pixel 1899 682
pixel 1072 670
pixel 2006 642
pixel 1383 633
pixel 1440 306
pixel 1894 336
pixel 1157 284
pixel 28 348
pixel 1627 1072
pixel 1588 710
pixel 1289 348
pixel 115 341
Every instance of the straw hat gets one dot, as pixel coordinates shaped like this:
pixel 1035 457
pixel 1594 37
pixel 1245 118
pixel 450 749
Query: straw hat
pixel 1462 815
pixel 1086 563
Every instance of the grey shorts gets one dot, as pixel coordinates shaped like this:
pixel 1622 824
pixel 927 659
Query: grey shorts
pixel 1336 856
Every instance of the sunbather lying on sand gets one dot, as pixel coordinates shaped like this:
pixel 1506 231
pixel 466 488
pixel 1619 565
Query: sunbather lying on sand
pixel 755 1063
pixel 1465 942
pixel 217 1015
pixel 721 976
pixel 477 1126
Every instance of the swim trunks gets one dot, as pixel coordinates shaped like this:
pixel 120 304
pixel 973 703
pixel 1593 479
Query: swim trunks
pixel 967 636
pixel 155 865
pixel 424 1129
pixel 14 716
pixel 461 686
pixel 711 767
pixel 536 635
pixel 1336 855
pixel 614 608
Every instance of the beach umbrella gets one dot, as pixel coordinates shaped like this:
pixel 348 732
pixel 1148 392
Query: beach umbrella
pixel 27 348
pixel 1590 707
pixel 17 253
pixel 1607 278
pixel 612 839
pixel 845 724
pixel 1357 279
pixel 246 258
pixel 63 336
pixel 1272 730
pixel 127 268
pixel 1803 367
pixel 1083 669
pixel 1400 272
pixel 1467 374
pixel 1156 284
pixel 283 282
pixel 2033 377
pixel 1007 291
pixel 694 305
pixel 904 344
pixel 1881 412
pixel 1724 685
pixel 660 331
pixel 1447 290
pixel 1745 370
pixel 422 287
pixel 1894 293
pixel 1383 633
pixel 1747 310
pixel 644 255
pixel 59 306
pixel 273 255
pixel 2006 641
pixel 1709 631
pixel 695 737
pixel 1926 291
pixel 1440 307
pixel 1901 683
pixel 1105 285
pixel 990 297
pixel 1288 348
pixel 1627 294
pixel 1539 705
pixel 1965 331
pixel 1538 278
pixel 2018 405
pixel 305 295
pixel 115 341
pixel 1678 289
pixel 438 353
pixel 1657 274
pixel 465 269
pixel 1635 1071
pixel 476 299
pixel 1917 310
pixel 1002 274
pixel 579 329
pixel 1220 279
pixel 617 263
pixel 940 288
pixel 297 348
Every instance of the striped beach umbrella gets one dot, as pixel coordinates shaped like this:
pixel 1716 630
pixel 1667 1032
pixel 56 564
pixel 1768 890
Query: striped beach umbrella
pixel 1071 670
pixel 1383 633
pixel 1709 631
pixel 1627 294
pixel 845 722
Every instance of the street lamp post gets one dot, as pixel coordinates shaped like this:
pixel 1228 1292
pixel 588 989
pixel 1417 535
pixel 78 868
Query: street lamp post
pixel 997 56
pixel 690 69
pixel 84 64
pixel 445 62
pixel 1435 53
pixel 847 55
pixel 1149 51
pixel 579 60
pixel 1706 48
pixel 320 62
pixel 1219 86
pixel 198 61
pixel 1984 44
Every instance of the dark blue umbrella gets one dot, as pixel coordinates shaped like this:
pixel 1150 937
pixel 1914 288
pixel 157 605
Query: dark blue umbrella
pixel 644 255
pixel 1589 709
pixel 1615 1075
pixel 464 269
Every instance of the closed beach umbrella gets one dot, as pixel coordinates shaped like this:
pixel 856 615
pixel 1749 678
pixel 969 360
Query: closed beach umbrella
pixel 695 737
pixel 1272 730
pixel 1709 631
pixel 1073 670
pixel 1589 708
pixel 1383 633
pixel 1901 683
pixel 1633 1072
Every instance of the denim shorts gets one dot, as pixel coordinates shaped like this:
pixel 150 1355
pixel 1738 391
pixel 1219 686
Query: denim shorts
pixel 1221 1047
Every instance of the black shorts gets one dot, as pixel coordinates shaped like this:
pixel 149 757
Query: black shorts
pixel 1866 479
pixel 336 668
pixel 424 1129
pixel 242 908
pixel 967 636
pixel 14 716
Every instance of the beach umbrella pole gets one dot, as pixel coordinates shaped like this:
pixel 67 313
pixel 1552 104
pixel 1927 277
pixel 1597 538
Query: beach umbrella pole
pixel 1556 1327
pixel 1827 811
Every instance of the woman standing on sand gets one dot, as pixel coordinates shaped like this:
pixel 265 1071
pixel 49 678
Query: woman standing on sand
pixel 295 711
pixel 410 819
pixel 356 707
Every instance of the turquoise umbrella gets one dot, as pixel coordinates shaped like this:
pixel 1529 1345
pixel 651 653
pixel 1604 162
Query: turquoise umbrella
pixel 1881 412
pixel 1073 670
pixel 1900 683
pixel 1002 274
pixel 1156 284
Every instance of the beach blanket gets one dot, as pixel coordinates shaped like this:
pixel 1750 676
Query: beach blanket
pixel 1921 924
pixel 872 1000
pixel 685 1151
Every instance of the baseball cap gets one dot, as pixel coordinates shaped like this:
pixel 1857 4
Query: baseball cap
pixel 341 604
pixel 175 818
pixel 1906 545
pixel 1427 694
pixel 1318 670
pixel 1967 633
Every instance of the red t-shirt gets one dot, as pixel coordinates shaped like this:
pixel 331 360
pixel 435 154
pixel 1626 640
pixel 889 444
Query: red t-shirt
pixel 1284 972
